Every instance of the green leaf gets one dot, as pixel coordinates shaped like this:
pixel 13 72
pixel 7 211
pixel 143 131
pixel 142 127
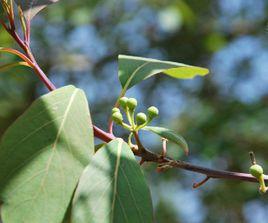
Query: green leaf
pixel 67 217
pixel 112 188
pixel 31 7
pixel 11 65
pixel 42 156
pixel 170 135
pixel 133 70
pixel 98 146
pixel 17 53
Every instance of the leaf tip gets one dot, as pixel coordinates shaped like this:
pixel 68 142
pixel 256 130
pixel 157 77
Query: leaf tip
pixel 205 71
pixel 186 151
pixel 120 140
pixel 185 148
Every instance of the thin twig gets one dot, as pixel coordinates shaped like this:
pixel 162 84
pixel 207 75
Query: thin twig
pixel 141 148
pixel 4 25
pixel 252 158
pixel 149 156
pixel 28 32
pixel 199 184
pixel 28 57
pixel 164 147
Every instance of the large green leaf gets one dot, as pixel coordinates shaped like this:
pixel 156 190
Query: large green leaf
pixel 170 135
pixel 42 156
pixel 31 7
pixel 112 188
pixel 133 70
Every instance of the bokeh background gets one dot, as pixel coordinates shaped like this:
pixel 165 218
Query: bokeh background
pixel 222 116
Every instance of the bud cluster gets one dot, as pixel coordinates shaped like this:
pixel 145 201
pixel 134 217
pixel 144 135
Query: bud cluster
pixel 135 122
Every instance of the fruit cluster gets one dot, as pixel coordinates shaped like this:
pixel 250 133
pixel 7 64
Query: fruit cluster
pixel 135 123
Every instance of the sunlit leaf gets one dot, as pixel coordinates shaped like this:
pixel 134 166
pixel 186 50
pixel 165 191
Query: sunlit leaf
pixel 17 53
pixel 133 70
pixel 10 65
pixel 31 7
pixel 112 188
pixel 170 135
pixel 42 156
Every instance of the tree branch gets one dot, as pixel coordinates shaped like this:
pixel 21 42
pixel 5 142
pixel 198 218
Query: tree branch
pixel 149 156
pixel 146 155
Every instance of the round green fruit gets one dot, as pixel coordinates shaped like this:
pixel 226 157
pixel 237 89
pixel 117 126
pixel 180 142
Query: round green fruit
pixel 141 118
pixel 256 170
pixel 115 110
pixel 152 112
pixel 132 103
pixel 117 117
pixel 123 102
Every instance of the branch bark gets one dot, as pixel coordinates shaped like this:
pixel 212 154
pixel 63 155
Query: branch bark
pixel 149 156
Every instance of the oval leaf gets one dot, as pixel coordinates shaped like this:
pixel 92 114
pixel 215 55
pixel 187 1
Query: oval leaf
pixel 170 135
pixel 42 156
pixel 31 7
pixel 112 188
pixel 133 70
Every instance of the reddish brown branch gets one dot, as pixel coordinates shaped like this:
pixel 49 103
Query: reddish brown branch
pixel 148 156
pixel 104 136
pixel 26 48
pixel 141 148
pixel 199 184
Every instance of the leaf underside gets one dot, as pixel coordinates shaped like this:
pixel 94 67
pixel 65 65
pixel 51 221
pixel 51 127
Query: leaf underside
pixel 42 156
pixel 31 7
pixel 112 189
pixel 170 135
pixel 133 70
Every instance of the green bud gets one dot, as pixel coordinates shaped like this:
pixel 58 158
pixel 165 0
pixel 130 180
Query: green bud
pixel 123 102
pixel 132 103
pixel 115 110
pixel 152 112
pixel 141 118
pixel 117 117
pixel 256 171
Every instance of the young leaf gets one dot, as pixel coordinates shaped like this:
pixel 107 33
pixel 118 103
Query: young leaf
pixel 31 7
pixel 42 156
pixel 17 53
pixel 112 188
pixel 133 70
pixel 170 135
pixel 11 65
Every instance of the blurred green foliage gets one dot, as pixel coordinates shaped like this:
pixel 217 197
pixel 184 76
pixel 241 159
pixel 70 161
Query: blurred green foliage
pixel 222 116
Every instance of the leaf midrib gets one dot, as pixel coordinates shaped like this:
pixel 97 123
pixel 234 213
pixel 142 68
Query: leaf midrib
pixel 131 193
pixel 134 73
pixel 117 168
pixel 54 145
pixel 60 130
pixel 119 150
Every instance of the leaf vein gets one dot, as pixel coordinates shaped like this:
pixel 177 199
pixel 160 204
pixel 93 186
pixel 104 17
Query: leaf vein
pixel 131 193
pixel 116 177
